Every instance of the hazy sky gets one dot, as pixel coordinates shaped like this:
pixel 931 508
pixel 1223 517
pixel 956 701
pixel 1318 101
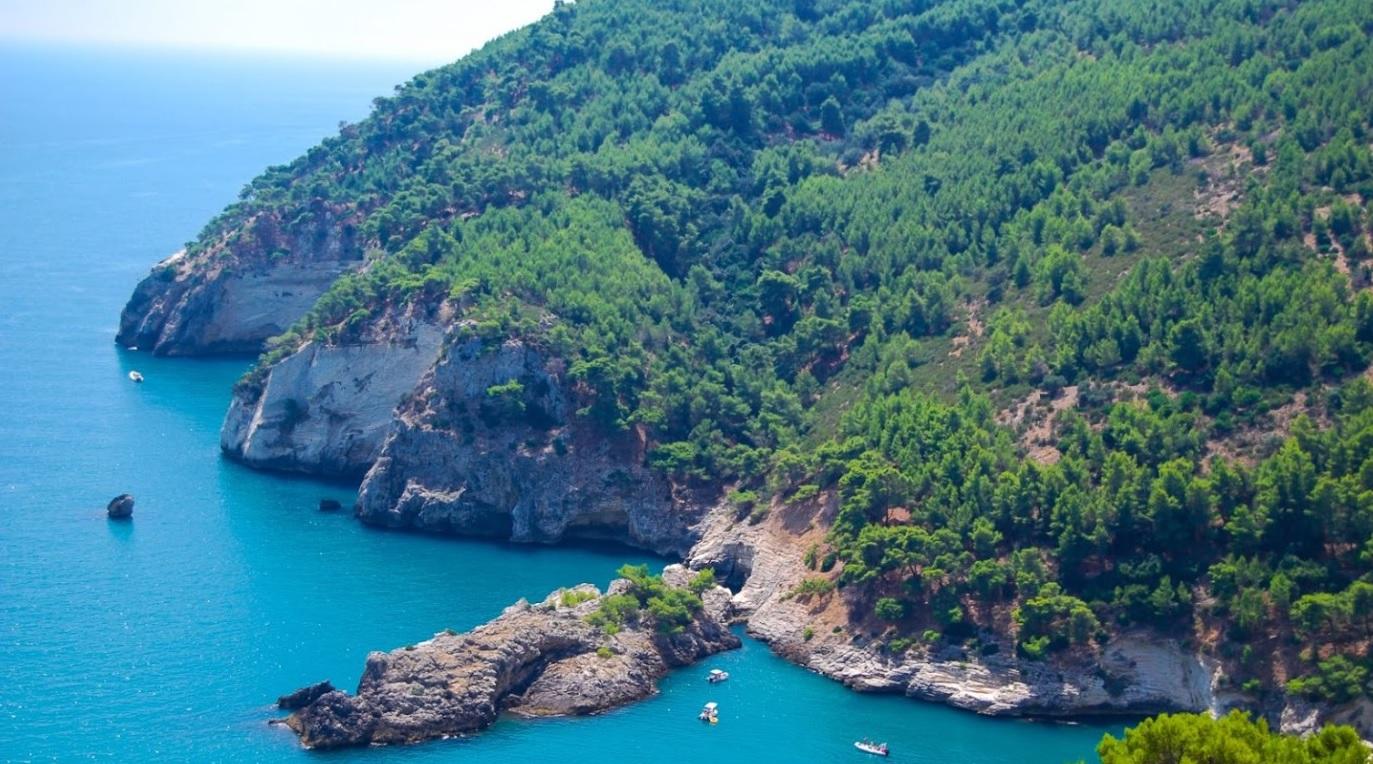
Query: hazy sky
pixel 431 31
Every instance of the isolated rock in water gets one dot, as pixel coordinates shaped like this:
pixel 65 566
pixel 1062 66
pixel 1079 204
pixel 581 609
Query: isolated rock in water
pixel 304 696
pixel 120 507
pixel 329 505
pixel 533 660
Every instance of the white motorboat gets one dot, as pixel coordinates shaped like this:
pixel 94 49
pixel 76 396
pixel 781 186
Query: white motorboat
pixel 135 376
pixel 876 749
pixel 710 713
pixel 716 676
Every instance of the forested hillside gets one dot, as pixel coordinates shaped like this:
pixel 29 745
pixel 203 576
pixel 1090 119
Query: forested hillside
pixel 1066 302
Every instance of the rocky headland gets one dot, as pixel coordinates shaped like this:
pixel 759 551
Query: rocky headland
pixel 462 435
pixel 1135 673
pixel 525 469
pixel 539 659
pixel 241 286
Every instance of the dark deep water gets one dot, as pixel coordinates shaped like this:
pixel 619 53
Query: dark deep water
pixel 166 639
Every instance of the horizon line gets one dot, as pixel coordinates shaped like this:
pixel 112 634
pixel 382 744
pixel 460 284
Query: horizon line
pixel 231 50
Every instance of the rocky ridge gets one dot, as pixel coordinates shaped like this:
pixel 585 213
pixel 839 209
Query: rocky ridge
pixel 541 659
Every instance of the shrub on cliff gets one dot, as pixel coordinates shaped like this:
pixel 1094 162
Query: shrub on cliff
pixel 670 608
pixel 703 581
pixel 615 612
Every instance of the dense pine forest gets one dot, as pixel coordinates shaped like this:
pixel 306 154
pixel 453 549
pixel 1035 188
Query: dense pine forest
pixel 1067 303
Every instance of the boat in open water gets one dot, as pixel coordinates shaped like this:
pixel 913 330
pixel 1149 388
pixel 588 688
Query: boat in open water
pixel 876 749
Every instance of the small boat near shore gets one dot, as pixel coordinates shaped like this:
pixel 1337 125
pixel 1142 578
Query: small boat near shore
pixel 876 749
pixel 717 676
pixel 710 713
pixel 135 376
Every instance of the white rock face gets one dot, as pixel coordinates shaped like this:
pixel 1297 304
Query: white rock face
pixel 1137 672
pixel 236 292
pixel 251 307
pixel 448 466
pixel 326 408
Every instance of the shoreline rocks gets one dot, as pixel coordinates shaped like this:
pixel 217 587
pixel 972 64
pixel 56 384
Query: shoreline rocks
pixel 304 696
pixel 1136 673
pixel 120 507
pixel 535 660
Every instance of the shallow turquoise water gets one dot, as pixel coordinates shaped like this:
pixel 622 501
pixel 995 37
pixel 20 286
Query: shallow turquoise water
pixel 166 639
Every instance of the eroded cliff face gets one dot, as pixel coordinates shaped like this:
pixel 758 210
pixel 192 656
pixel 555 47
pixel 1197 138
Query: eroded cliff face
pixel 234 295
pixel 1137 672
pixel 463 458
pixel 533 660
pixel 326 409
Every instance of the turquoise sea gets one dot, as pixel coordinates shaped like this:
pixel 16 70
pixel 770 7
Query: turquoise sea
pixel 167 638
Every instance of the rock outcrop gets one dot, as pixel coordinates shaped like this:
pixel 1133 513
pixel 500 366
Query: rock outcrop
pixel 536 660
pixel 120 507
pixel 1137 672
pixel 326 408
pixel 304 696
pixel 236 292
pixel 490 445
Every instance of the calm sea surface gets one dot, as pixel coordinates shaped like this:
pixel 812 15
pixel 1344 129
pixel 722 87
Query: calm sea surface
pixel 166 639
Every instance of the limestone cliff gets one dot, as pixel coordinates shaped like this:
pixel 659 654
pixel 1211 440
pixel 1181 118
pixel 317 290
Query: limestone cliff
pixel 326 408
pixel 1136 672
pixel 234 293
pixel 490 445
pixel 533 660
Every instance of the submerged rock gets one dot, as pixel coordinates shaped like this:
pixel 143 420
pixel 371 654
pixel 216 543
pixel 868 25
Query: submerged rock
pixel 304 696
pixel 534 660
pixel 120 507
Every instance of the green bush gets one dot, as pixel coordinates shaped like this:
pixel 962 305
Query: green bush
pixel 1231 739
pixel 575 597
pixel 890 609
pixel 615 612
pixel 703 581
pixel 812 586
pixel 1337 679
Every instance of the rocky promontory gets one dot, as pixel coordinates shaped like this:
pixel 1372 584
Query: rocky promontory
pixel 232 292
pixel 545 659
pixel 490 444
